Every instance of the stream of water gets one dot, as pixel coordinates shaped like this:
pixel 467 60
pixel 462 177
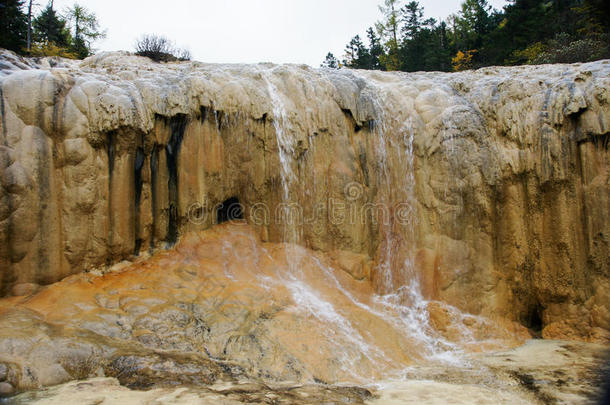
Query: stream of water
pixel 401 305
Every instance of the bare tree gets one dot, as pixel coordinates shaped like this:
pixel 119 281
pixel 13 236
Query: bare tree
pixel 160 49
pixel 183 54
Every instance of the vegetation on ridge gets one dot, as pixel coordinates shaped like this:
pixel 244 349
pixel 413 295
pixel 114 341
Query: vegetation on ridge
pixel 524 32
pixel 69 35
pixel 160 49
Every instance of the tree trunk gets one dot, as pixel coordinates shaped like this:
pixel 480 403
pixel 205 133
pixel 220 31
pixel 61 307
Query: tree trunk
pixel 29 40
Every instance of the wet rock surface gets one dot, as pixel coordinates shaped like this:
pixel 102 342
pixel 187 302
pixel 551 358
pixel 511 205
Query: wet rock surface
pixel 107 390
pixel 390 231
pixel 540 372
pixel 555 371
pixel 199 314
pixel 495 181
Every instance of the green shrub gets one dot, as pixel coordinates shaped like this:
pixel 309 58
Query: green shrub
pixel 564 49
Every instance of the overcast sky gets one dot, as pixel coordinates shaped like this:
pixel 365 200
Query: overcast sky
pixel 279 31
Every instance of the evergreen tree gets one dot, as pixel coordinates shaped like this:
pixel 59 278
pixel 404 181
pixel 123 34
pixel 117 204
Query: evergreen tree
pixel 375 49
pixel 411 46
pixel 330 62
pixel 527 22
pixel 412 16
pixel 13 25
pixel 389 29
pixel 475 21
pixel 351 51
pixel 593 17
pixel 436 53
pixel 356 54
pixel 525 31
pixel 86 29
pixel 444 56
pixel 49 28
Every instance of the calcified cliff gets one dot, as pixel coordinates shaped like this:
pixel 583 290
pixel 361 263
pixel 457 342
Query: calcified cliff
pixel 489 187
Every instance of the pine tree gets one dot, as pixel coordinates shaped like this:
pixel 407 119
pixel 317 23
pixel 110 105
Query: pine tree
pixel 525 31
pixel 527 21
pixel 412 16
pixel 423 45
pixel 435 54
pixel 49 28
pixel 389 29
pixel 444 48
pixel 475 21
pixel 86 29
pixel 330 62
pixel 375 49
pixel 351 51
pixel 13 25
pixel 356 54
pixel 593 17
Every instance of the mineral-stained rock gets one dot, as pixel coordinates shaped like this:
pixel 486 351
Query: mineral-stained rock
pixel 542 371
pixel 24 289
pixel 222 306
pixel 6 389
pixel 99 390
pixel 492 184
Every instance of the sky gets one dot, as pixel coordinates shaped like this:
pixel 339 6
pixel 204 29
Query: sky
pixel 245 31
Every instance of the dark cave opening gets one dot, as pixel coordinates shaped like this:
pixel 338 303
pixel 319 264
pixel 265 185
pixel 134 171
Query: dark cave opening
pixel 534 319
pixel 137 167
pixel 110 151
pixel 229 210
pixel 154 169
pixel 177 126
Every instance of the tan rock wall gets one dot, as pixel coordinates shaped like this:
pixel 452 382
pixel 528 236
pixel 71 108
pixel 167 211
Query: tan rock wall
pixel 493 184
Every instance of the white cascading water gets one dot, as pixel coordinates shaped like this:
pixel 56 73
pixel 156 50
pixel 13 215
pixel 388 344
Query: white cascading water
pixel 399 193
pixel 286 147
pixel 285 142
pixel 411 319
pixel 305 297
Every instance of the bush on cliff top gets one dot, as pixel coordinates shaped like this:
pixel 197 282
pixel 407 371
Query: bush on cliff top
pixel 160 49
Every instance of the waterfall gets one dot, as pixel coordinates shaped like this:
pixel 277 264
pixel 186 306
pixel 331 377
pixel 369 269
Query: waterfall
pixel 291 227
pixel 400 305
pixel 285 142
pixel 305 296
pixel 473 171
pixel 400 291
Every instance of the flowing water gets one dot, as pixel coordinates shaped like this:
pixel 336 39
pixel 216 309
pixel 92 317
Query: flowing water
pixel 306 298
pixel 280 311
pixel 224 305
pixel 400 306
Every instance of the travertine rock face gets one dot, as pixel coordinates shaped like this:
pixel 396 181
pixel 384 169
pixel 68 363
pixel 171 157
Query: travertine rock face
pixel 222 306
pixel 490 187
